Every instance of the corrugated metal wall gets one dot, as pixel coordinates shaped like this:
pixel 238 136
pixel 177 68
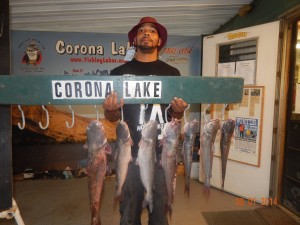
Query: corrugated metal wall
pixel 189 18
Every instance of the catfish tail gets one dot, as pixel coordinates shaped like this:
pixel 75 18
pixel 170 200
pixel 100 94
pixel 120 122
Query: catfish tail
pixel 206 192
pixel 149 204
pixel 187 189
pixel 168 209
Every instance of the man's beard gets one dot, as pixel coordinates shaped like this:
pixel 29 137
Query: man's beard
pixel 147 48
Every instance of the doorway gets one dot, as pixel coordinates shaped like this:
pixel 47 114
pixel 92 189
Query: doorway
pixel 290 196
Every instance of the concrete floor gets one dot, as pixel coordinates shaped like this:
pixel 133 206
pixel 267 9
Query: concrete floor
pixel 65 202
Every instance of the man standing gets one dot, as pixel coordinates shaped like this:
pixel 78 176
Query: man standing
pixel 148 37
pixel 241 129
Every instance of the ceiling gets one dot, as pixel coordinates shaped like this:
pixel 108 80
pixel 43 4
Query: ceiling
pixel 188 18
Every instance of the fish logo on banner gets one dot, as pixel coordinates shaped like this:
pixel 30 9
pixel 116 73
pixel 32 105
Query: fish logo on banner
pixel 32 55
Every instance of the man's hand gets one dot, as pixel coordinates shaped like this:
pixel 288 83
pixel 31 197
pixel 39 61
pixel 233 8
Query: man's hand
pixel 178 105
pixel 111 102
pixel 112 107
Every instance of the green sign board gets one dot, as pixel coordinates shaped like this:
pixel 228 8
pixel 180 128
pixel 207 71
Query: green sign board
pixel 91 90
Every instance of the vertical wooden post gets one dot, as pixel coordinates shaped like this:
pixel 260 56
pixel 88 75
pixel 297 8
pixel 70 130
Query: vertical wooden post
pixel 5 114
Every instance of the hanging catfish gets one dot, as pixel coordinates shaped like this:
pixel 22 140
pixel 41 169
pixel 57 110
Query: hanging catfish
pixel 97 147
pixel 227 129
pixel 123 156
pixel 146 160
pixel 170 141
pixel 207 139
pixel 189 135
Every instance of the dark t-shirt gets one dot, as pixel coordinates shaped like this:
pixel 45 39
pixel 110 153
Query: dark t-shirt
pixel 133 113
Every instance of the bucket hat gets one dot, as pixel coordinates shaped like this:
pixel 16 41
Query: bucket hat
pixel 162 31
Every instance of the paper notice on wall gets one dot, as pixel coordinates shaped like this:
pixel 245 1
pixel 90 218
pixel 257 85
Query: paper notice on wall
pixel 246 70
pixel 297 99
pixel 226 69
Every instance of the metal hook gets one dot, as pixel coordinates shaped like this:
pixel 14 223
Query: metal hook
pixel 142 114
pixel 21 127
pixel 122 115
pixel 47 119
pixel 223 110
pixel 146 107
pixel 73 120
pixel 97 112
pixel 185 113
pixel 205 109
pixel 166 113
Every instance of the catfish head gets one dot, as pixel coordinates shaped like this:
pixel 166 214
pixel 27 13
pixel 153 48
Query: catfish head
pixel 172 129
pixel 191 128
pixel 228 127
pixel 122 131
pixel 150 130
pixel 96 137
pixel 211 128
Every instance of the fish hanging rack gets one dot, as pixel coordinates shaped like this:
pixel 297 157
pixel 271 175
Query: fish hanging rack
pixel 91 90
pixel 44 127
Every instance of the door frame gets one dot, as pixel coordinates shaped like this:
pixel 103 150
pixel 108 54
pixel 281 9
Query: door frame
pixel 281 102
